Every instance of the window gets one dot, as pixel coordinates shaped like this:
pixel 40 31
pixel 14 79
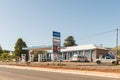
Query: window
pixel 107 57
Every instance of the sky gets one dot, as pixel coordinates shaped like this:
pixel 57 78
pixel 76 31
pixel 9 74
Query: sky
pixel 88 21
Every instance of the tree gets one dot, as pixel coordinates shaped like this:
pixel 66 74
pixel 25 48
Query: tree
pixel 5 51
pixel 18 48
pixel 5 56
pixel 69 41
pixel 114 50
pixel 1 50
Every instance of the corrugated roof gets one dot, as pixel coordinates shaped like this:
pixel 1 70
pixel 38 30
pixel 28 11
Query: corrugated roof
pixel 72 48
pixel 82 47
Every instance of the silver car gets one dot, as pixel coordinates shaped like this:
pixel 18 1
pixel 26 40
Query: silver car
pixel 107 59
pixel 77 58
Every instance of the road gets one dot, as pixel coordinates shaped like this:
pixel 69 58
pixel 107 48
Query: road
pixel 18 74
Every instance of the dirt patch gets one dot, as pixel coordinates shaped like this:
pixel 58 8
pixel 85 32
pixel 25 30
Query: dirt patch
pixel 66 67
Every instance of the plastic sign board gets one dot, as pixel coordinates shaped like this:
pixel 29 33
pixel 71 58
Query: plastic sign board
pixel 56 42
pixel 56 34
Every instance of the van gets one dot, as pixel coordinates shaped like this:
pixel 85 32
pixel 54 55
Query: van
pixel 78 58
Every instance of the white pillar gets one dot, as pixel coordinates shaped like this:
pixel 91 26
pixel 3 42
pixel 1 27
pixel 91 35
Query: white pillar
pixel 67 56
pixel 62 56
pixel 39 57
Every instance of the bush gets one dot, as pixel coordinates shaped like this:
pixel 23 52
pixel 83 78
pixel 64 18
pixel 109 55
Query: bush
pixel 5 57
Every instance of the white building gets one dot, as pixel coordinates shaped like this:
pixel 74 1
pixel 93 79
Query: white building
pixel 91 51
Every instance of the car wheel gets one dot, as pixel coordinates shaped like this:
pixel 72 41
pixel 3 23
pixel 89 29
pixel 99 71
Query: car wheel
pixel 114 62
pixel 98 62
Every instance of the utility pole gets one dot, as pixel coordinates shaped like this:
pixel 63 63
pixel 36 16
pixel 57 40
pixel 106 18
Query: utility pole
pixel 117 45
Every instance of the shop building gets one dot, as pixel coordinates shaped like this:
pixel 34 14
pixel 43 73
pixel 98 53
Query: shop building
pixel 90 51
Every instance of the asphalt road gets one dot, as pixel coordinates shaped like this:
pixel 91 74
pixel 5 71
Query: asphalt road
pixel 18 74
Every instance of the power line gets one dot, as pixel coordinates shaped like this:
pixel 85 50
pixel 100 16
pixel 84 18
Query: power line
pixel 98 34
pixel 105 32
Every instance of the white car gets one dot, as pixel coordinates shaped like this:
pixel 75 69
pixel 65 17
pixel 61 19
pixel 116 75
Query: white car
pixel 107 59
pixel 78 58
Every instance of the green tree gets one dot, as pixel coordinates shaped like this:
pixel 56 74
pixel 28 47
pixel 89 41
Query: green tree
pixel 69 41
pixel 1 51
pixel 5 57
pixel 19 45
pixel 114 50
pixel 13 56
pixel 5 51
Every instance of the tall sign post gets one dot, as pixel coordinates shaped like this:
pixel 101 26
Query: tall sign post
pixel 56 46
pixel 117 46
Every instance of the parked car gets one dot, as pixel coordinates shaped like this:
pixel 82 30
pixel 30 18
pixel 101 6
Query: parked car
pixel 78 58
pixel 106 59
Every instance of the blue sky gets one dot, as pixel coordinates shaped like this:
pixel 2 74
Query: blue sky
pixel 34 21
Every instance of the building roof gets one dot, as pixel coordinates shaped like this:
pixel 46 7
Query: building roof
pixel 38 47
pixel 66 49
pixel 82 47
pixel 42 46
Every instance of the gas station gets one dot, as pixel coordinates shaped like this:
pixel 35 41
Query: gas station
pixel 55 53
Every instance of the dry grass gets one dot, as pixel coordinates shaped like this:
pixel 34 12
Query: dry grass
pixel 111 69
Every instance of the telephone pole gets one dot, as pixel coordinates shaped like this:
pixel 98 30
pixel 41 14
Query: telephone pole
pixel 116 46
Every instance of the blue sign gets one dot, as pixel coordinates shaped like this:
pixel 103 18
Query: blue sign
pixel 56 42
pixel 56 34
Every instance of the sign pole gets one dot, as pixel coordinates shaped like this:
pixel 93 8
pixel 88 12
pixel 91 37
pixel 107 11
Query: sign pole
pixel 117 46
pixel 56 46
